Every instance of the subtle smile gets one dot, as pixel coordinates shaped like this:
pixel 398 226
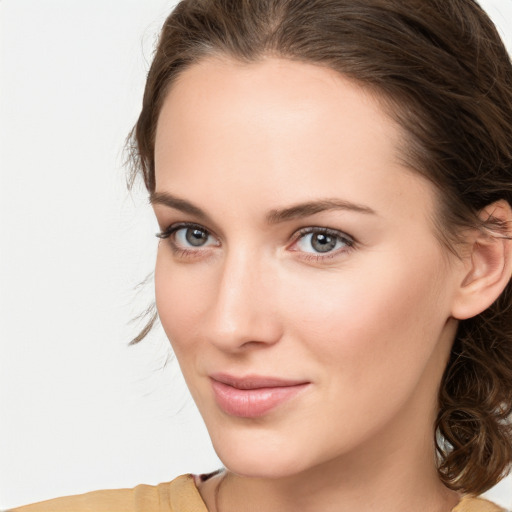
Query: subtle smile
pixel 253 396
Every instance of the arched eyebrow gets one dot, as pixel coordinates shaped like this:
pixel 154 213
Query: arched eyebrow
pixel 274 216
pixel 182 205
pixel 313 207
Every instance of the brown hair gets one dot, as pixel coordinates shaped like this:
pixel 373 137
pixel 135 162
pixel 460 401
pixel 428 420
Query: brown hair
pixel 445 76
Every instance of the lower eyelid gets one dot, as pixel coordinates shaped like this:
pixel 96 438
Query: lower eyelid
pixel 325 258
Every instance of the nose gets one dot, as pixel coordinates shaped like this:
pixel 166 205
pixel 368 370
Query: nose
pixel 245 312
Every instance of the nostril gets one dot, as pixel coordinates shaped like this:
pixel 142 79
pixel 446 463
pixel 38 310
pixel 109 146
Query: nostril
pixel 252 344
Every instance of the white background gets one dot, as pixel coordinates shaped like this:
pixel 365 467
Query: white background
pixel 79 409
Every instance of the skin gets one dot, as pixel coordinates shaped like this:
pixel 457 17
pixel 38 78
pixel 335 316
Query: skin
pixel 369 324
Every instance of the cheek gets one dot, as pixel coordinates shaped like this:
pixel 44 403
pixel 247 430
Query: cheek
pixel 176 299
pixel 367 321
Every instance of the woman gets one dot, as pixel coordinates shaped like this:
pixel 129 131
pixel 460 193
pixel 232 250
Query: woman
pixel 333 184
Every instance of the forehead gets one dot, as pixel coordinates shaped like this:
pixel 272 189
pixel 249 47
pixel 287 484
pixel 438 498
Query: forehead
pixel 267 93
pixel 282 129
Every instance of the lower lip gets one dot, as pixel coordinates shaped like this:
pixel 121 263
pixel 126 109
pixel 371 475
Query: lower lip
pixel 252 403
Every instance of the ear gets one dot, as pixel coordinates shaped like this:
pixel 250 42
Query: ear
pixel 487 263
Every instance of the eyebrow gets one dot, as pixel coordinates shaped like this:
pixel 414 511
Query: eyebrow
pixel 313 207
pixel 275 216
pixel 182 205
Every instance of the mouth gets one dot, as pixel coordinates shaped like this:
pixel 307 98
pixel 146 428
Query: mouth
pixel 253 396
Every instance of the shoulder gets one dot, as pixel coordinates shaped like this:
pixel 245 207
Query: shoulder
pixel 474 504
pixel 179 495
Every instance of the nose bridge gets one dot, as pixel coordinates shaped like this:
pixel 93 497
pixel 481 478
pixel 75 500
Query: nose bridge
pixel 243 309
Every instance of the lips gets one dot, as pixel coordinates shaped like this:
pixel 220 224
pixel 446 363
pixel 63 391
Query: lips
pixel 253 396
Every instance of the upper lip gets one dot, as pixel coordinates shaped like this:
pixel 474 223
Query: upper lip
pixel 255 381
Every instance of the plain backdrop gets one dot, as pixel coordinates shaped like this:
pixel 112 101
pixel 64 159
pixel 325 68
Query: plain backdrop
pixel 79 409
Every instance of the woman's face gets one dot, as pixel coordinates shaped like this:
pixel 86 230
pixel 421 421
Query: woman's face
pixel 299 278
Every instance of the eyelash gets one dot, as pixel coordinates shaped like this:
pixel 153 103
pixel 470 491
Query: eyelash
pixel 167 234
pixel 348 241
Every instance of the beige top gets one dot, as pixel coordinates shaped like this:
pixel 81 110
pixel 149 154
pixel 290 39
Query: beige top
pixel 180 495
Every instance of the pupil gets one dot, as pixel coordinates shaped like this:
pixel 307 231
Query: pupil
pixel 323 243
pixel 196 237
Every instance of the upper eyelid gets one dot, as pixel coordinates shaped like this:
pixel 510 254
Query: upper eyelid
pixel 319 229
pixel 176 226
pixel 193 217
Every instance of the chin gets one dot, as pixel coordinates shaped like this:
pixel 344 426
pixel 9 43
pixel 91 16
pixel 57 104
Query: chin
pixel 268 468
pixel 260 454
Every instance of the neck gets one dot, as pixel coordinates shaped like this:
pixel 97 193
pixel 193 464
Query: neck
pixel 387 487
pixel 329 490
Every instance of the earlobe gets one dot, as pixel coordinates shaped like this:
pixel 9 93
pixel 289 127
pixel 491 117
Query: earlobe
pixel 487 263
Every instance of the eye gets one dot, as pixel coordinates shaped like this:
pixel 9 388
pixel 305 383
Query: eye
pixel 322 241
pixel 188 236
pixel 195 237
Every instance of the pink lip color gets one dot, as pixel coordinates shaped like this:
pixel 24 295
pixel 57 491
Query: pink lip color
pixel 251 397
